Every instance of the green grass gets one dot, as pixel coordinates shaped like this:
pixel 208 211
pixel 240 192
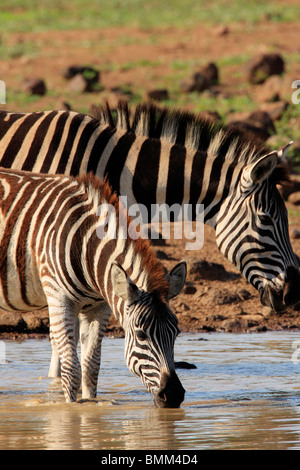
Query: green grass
pixel 28 48
pixel 43 15
pixel 51 15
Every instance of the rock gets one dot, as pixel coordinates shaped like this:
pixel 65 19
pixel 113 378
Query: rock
pixel 215 318
pixel 184 365
pixel 210 115
pixel 34 86
pixel 257 122
pixel 275 110
pixel 205 77
pixel 162 255
pixel 197 83
pixel 36 322
pixel 294 198
pixel 262 120
pixel 82 78
pixel 208 328
pixel 190 290
pixel 211 72
pixel 259 329
pixel 90 73
pixel 78 84
pixel 182 307
pixel 266 311
pixel 238 116
pixel 220 30
pixel 243 294
pixel 205 270
pixel 270 90
pixel 158 95
pixel 263 66
pixel 252 323
pixel 25 322
pixel 71 71
pixel 223 297
pixel 232 325
pixel 11 321
pixel 259 133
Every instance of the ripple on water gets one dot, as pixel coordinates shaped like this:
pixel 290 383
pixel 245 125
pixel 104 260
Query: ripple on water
pixel 245 387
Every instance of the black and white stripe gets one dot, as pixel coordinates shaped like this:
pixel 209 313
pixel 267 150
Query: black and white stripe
pixel 154 156
pixel 51 256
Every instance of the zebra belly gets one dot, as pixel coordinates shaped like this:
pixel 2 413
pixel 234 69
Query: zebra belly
pixel 20 284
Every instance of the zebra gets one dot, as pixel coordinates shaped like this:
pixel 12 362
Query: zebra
pixel 163 156
pixel 52 254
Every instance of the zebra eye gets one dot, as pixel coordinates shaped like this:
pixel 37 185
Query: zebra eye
pixel 141 335
pixel 265 219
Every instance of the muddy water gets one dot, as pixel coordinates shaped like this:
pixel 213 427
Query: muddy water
pixel 244 394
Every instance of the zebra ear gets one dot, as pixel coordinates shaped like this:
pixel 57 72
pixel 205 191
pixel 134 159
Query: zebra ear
pixel 177 279
pixel 261 169
pixel 282 152
pixel 122 285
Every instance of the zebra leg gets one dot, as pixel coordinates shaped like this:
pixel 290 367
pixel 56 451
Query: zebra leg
pixel 92 328
pixel 54 369
pixel 63 319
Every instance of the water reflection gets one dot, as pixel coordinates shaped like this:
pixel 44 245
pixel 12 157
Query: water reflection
pixel 244 394
pixel 89 426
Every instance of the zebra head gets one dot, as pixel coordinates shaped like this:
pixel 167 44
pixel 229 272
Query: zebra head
pixel 150 332
pixel 252 232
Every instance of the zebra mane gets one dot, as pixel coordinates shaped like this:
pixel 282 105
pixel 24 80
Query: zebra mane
pixel 186 129
pixel 157 283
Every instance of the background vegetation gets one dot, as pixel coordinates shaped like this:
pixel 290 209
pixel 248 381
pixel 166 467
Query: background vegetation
pixel 41 37
pixel 45 15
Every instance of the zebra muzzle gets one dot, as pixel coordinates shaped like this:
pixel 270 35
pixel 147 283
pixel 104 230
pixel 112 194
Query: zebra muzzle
pixel 292 287
pixel 278 299
pixel 171 392
pixel 272 298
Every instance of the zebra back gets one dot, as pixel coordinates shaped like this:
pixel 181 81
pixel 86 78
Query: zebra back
pixel 155 156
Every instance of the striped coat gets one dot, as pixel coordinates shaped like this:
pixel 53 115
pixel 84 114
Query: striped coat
pixel 164 157
pixel 52 254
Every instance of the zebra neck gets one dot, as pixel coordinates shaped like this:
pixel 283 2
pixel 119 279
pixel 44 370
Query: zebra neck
pixel 108 251
pixel 207 182
pixel 153 172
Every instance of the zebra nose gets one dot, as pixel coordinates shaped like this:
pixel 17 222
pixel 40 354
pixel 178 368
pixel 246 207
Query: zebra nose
pixel 272 298
pixel 171 392
pixel 292 286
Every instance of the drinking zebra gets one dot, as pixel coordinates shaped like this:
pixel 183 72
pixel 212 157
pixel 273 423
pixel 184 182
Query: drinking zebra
pixel 52 254
pixel 156 156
